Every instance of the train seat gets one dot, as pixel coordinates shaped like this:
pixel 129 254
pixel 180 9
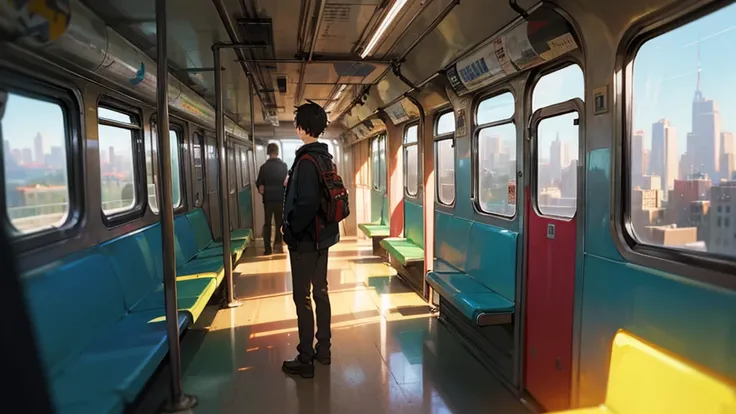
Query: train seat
pixel 107 404
pixel 410 249
pixel 90 342
pixel 466 262
pixel 139 268
pixel 644 379
pixel 374 229
pixel 403 250
pixel 203 235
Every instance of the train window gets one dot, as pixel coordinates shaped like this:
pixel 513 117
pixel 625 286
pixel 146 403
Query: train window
pixel 35 159
pixel 496 108
pixel 118 173
pixel 411 155
pixel 496 156
pixel 557 183
pixel 445 124
pixel 681 148
pixel 152 168
pixel 558 86
pixel 445 157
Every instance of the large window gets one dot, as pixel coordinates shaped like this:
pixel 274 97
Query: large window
pixel 34 151
pixel 244 168
pixel 411 157
pixel 681 149
pixel 444 135
pixel 118 159
pixel 496 155
pixel 152 168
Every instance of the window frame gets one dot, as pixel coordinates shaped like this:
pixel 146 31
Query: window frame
pixel 70 101
pixel 475 145
pixel 198 141
pixel 139 159
pixel 713 269
pixel 436 139
pixel 178 129
pixel 405 149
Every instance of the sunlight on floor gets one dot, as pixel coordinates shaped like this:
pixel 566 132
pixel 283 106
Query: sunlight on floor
pixel 385 346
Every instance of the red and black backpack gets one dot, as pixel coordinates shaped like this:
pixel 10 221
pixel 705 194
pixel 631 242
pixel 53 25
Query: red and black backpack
pixel 334 203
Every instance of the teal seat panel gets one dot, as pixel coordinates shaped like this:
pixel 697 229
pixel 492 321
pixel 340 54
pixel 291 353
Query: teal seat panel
pixel 79 292
pixel 377 199
pixel 215 250
pixel 200 227
pixel 120 360
pixel 491 258
pixel 473 305
pixel 100 404
pixel 185 243
pixel 469 296
pixel 374 230
pixel 414 222
pixel 242 234
pixel 198 268
pixel 404 250
pixel 134 266
pixel 440 266
pixel 451 239
pixel 192 297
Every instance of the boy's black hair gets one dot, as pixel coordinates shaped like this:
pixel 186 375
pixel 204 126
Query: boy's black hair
pixel 272 148
pixel 311 118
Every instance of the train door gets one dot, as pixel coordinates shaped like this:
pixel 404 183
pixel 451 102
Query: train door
pixel 212 185
pixel 551 250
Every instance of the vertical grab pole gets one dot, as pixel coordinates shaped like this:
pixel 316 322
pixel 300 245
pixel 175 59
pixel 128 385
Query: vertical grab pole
pixel 252 160
pixel 178 402
pixel 227 258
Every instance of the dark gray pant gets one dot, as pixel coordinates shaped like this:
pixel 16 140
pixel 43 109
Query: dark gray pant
pixel 274 209
pixel 310 269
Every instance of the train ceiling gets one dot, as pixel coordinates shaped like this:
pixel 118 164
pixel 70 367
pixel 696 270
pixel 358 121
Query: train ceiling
pixel 308 49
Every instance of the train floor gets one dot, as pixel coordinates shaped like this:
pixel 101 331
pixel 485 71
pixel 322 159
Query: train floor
pixel 389 353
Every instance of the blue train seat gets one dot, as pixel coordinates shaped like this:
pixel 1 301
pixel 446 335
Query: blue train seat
pixel 206 246
pixel 475 269
pixel 411 248
pixel 112 297
pixel 111 352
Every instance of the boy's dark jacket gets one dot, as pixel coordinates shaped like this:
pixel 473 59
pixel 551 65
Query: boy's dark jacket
pixel 304 222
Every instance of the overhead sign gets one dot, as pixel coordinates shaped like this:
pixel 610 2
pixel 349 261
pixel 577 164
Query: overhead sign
pixel 544 36
pixel 397 113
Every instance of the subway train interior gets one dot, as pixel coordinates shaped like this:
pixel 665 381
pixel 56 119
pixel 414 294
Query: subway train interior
pixel 542 205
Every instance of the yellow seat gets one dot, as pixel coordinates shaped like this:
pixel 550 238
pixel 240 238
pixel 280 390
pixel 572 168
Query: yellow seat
pixel 645 380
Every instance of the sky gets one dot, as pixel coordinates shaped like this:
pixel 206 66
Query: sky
pixel 665 73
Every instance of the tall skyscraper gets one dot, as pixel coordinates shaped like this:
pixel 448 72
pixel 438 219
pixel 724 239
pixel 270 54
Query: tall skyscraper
pixel 728 145
pixel 706 127
pixel 637 157
pixel 665 157
pixel 559 157
pixel 38 149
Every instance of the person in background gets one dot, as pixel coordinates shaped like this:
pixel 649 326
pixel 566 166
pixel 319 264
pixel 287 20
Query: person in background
pixel 309 236
pixel 270 184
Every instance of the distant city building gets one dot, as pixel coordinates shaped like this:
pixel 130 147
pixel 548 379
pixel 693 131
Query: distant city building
pixel 38 149
pixel 559 157
pixel 728 156
pixel 684 193
pixel 672 235
pixel 706 132
pixel 27 156
pixel 664 160
pixel 699 218
pixel 637 155
pixel 723 219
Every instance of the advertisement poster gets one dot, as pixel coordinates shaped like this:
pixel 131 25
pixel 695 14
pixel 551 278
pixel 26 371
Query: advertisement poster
pixel 397 113
pixel 520 49
pixel 461 123
pixel 480 69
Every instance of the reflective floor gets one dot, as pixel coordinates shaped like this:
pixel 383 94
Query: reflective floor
pixel 389 354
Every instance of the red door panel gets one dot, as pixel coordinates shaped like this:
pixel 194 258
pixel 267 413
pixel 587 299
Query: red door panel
pixel 551 260
pixel 549 309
